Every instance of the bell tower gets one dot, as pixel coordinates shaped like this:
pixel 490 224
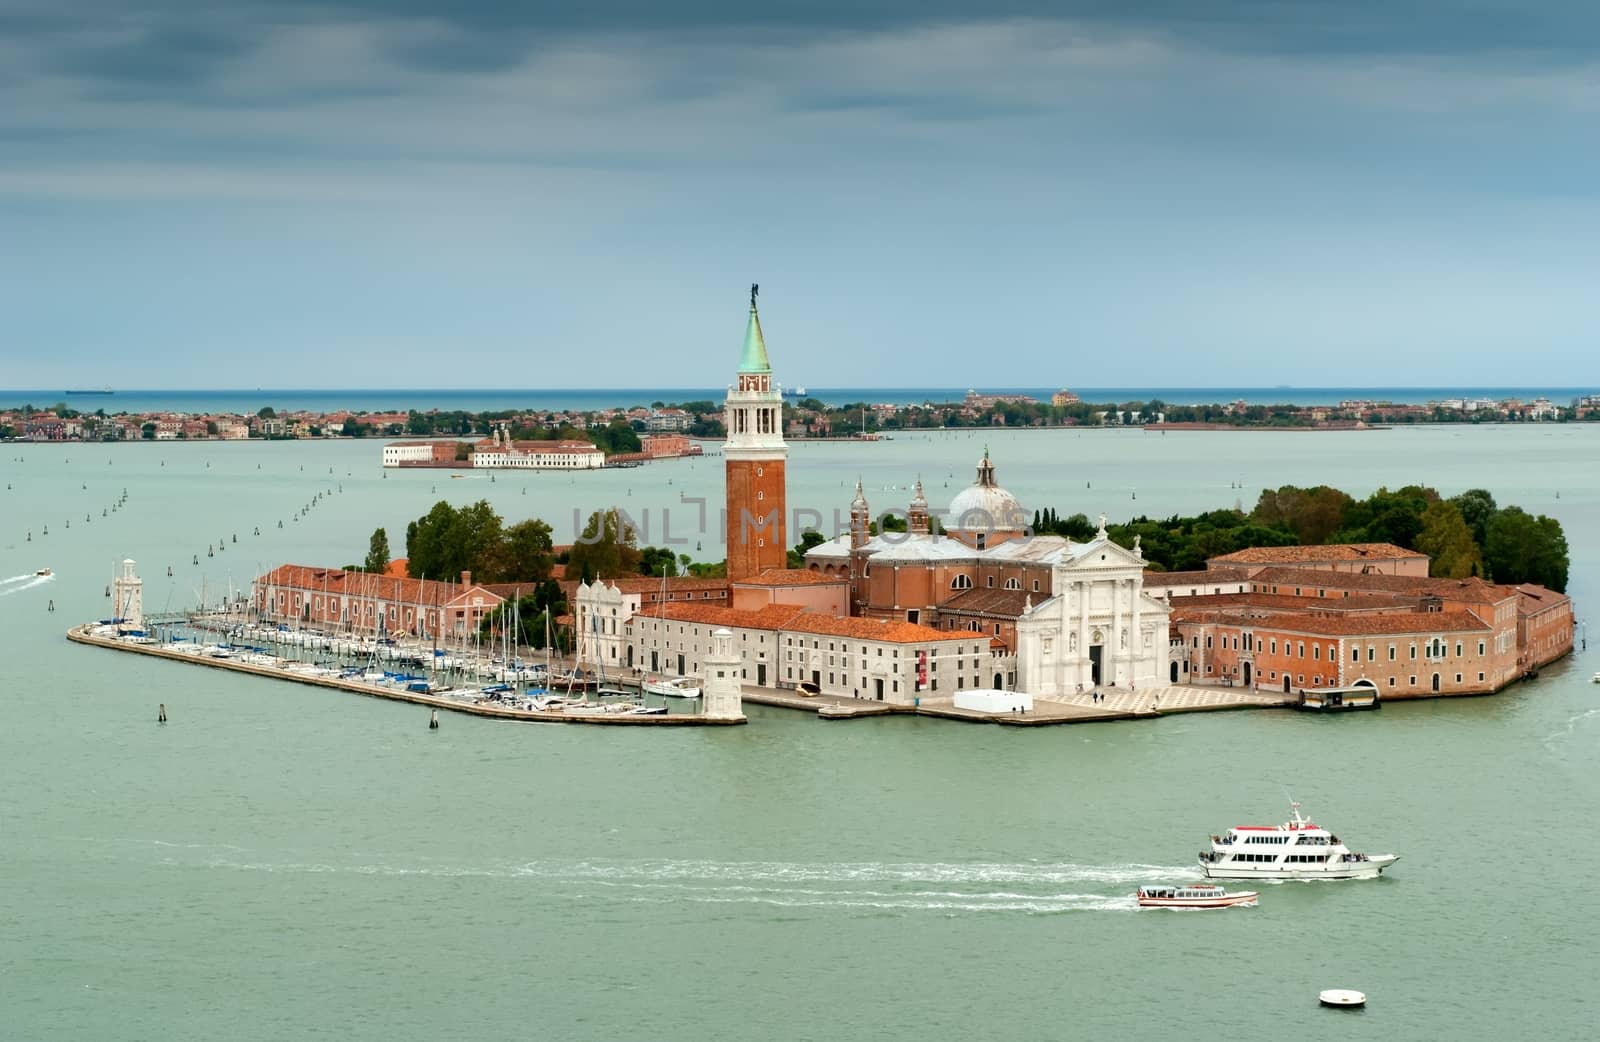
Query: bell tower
pixel 754 456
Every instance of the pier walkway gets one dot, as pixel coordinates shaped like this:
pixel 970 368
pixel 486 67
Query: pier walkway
pixel 84 635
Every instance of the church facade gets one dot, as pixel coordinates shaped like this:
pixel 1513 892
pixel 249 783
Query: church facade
pixel 1099 629
pixel 1064 616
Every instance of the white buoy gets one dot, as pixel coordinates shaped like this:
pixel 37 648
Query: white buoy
pixel 1342 998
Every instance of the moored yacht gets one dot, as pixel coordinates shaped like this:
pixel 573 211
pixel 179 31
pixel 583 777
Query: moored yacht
pixel 1297 849
pixel 677 687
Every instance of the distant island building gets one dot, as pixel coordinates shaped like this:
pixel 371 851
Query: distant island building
pixel 974 400
pixel 499 452
pixel 1061 398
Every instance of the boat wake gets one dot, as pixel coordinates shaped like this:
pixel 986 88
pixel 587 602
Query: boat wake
pixel 19 583
pixel 1573 723
pixel 886 887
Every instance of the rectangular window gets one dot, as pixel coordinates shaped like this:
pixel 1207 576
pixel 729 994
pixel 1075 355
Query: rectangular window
pixel 1355 654
pixel 1316 652
pixel 1391 652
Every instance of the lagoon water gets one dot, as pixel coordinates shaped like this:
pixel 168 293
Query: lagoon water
pixel 283 862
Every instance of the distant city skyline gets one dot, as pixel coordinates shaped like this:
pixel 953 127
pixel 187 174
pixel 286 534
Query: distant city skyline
pixel 1002 196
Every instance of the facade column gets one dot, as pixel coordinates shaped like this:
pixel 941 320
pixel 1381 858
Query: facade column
pixel 1136 644
pixel 1083 587
pixel 1116 655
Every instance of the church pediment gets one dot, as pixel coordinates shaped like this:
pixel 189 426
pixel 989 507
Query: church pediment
pixel 1102 555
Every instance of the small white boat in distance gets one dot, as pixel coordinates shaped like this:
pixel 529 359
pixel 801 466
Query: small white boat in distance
pixel 1194 895
pixel 1595 679
pixel 46 571
pixel 1295 850
pixel 1342 998
pixel 677 687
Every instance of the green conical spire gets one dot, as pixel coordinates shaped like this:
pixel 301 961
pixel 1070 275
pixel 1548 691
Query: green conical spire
pixel 754 359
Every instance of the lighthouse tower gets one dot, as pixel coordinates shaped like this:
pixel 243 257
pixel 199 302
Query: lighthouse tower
pixel 129 593
pixel 723 699
pixel 754 458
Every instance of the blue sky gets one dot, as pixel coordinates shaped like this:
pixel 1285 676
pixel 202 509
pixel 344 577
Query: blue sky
pixel 1100 194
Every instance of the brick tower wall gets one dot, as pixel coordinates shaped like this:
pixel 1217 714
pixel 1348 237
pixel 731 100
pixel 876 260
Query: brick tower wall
pixel 756 487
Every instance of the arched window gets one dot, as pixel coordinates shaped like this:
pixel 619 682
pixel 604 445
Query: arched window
pixel 961 582
pixel 1013 584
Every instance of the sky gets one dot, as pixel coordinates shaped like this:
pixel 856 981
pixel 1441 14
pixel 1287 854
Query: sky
pixel 399 194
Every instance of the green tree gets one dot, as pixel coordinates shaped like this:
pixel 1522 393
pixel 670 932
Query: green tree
pixel 1521 548
pixel 148 432
pixel 808 539
pixel 658 561
pixel 616 438
pixel 527 552
pixel 377 552
pixel 418 424
pixel 1477 509
pixel 533 613
pixel 608 548
pixel 266 412
pixel 1446 539
pixel 426 539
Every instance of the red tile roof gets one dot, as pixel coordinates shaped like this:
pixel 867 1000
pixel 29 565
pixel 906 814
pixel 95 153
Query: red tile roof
pixel 1470 589
pixel 795 619
pixel 339 583
pixel 1353 624
pixel 791 577
pixel 1323 552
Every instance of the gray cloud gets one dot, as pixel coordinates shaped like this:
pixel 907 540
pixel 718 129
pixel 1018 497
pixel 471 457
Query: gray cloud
pixel 1171 180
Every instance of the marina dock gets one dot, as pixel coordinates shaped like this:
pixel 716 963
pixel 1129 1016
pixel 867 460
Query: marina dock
pixel 85 635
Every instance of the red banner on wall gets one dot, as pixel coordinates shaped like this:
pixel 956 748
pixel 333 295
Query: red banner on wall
pixel 922 670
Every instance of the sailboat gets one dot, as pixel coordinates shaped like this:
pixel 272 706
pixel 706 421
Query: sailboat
pixel 673 687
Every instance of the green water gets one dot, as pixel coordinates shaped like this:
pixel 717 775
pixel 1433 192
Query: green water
pixel 281 862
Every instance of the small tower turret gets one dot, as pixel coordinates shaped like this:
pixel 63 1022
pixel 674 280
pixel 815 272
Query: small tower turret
pixel 129 593
pixel 917 515
pixel 860 518
pixel 723 699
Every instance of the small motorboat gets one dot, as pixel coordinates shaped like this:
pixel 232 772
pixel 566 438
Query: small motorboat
pixel 1194 895
pixel 46 571
pixel 1342 998
pixel 1595 679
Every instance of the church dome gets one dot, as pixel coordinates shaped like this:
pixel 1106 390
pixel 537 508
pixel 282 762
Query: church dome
pixel 985 506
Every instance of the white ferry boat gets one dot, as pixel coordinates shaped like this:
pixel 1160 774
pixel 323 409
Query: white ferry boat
pixel 1194 895
pixel 1297 849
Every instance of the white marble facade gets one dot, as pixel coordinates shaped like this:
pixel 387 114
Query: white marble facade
pixel 1100 628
